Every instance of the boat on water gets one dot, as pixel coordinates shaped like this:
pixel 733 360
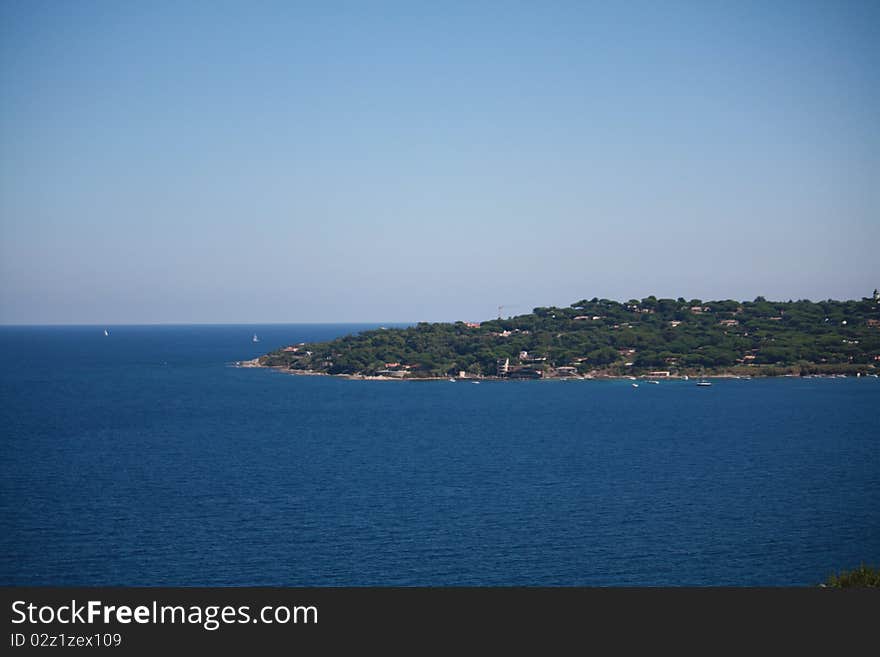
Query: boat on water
pixel 106 332
pixel 704 383
pixel 635 385
pixel 255 338
pixel 475 382
pixel 685 377
pixel 656 383
pixel 451 380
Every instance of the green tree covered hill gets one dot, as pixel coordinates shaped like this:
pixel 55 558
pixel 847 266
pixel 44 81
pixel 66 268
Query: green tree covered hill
pixel 603 337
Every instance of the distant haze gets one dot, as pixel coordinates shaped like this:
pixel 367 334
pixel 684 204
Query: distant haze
pixel 405 161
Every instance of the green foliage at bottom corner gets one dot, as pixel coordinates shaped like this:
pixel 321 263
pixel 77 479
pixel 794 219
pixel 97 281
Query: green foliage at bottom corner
pixel 862 577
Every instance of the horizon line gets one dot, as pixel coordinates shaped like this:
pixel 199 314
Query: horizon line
pixel 407 322
pixel 112 324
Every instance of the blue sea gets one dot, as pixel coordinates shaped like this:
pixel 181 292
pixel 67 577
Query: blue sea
pixel 145 458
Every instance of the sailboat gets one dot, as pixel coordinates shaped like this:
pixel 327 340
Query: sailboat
pixel 106 332
pixel 255 338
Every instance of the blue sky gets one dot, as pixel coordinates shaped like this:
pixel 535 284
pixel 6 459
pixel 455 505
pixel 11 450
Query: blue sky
pixel 404 161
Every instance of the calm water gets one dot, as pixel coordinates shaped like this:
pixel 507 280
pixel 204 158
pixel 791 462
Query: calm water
pixel 144 459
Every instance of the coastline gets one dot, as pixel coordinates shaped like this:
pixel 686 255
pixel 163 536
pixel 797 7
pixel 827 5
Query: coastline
pixel 254 363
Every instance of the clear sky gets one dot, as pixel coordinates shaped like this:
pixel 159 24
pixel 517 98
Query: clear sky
pixel 403 161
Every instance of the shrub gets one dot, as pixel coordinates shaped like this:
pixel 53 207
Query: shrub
pixel 861 577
